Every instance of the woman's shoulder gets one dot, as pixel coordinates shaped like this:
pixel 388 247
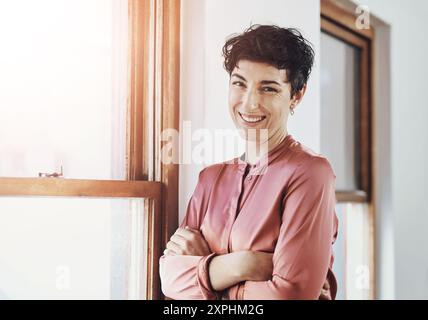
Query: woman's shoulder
pixel 308 162
pixel 210 173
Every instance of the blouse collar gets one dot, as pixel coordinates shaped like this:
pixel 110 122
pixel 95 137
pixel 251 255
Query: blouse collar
pixel 266 159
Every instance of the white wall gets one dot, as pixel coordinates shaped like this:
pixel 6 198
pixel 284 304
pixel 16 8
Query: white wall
pixel 409 145
pixel 204 83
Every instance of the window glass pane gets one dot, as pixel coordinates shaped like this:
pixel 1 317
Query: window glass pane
pixel 63 87
pixel 339 109
pixel 352 251
pixel 71 248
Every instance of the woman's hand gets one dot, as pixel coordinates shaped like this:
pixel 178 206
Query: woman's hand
pixel 187 241
pixel 256 266
pixel 229 269
pixel 325 291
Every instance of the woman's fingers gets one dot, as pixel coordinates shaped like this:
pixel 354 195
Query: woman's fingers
pixel 168 252
pixel 258 265
pixel 191 230
pixel 174 247
pixel 180 240
pixel 325 291
pixel 189 241
pixel 180 245
pixel 188 234
pixel 185 240
pixel 326 285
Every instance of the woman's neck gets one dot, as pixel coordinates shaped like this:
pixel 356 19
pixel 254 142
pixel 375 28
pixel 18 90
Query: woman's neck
pixel 255 150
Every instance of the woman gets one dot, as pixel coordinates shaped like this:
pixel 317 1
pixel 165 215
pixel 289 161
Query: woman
pixel 261 226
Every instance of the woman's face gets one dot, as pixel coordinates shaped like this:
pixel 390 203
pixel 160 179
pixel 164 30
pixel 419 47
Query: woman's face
pixel 259 98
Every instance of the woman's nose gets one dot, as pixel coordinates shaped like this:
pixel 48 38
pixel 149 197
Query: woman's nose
pixel 251 101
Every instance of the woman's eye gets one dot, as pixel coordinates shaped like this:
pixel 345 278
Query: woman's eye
pixel 238 83
pixel 269 89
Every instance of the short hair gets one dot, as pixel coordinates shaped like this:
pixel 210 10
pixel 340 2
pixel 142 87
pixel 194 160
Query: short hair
pixel 283 48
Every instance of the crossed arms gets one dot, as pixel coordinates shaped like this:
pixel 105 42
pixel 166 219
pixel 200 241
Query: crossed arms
pixel 298 267
pixel 225 270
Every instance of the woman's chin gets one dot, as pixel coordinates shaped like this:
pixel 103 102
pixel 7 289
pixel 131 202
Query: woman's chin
pixel 252 134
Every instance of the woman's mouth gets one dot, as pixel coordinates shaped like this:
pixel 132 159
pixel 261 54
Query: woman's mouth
pixel 251 119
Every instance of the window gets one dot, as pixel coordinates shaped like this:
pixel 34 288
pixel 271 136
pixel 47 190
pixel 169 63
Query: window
pixel 346 109
pixel 83 193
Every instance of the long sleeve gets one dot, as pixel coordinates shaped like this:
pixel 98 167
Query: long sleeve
pixel 185 276
pixel 302 254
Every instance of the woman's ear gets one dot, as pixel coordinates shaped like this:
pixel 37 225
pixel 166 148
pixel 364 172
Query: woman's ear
pixel 298 96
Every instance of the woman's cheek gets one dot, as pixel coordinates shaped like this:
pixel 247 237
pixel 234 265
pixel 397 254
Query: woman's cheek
pixel 234 97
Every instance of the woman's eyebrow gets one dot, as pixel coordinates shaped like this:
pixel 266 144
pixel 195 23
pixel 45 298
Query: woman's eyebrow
pixel 261 82
pixel 239 76
pixel 269 82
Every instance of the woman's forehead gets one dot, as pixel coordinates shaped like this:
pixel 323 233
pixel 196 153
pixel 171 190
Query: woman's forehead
pixel 259 71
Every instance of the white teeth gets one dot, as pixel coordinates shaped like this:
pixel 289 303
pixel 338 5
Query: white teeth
pixel 252 119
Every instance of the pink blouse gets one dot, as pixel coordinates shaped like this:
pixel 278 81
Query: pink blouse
pixel 284 204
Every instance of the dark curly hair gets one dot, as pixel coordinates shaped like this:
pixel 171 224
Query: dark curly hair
pixel 283 48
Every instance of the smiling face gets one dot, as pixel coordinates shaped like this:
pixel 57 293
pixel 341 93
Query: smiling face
pixel 259 98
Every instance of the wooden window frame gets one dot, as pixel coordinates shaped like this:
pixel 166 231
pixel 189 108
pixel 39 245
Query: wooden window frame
pixel 340 23
pixel 153 105
pixel 338 20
